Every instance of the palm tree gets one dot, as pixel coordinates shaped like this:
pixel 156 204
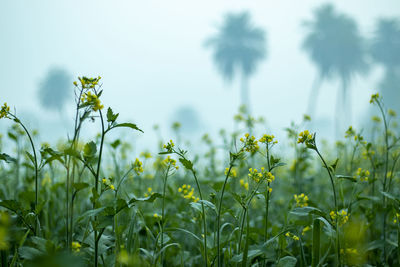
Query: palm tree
pixel 336 47
pixel 55 89
pixel 238 47
pixel 384 50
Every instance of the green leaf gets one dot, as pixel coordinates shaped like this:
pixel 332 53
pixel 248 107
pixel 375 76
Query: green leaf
pixel 390 196
pixel 90 149
pixel 287 261
pixel 90 213
pixel 120 205
pixel 12 205
pixel 7 158
pixel 29 253
pixel 80 186
pixel 128 125
pixel 30 157
pixel 186 163
pixel 305 211
pixel 151 198
pixel 350 178
pixel 111 117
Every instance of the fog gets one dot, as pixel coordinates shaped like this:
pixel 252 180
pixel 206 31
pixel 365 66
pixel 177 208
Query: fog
pixel 156 65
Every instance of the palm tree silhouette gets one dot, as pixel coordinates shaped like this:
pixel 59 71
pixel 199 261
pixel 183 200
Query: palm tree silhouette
pixel 336 47
pixel 55 89
pixel 384 50
pixel 238 47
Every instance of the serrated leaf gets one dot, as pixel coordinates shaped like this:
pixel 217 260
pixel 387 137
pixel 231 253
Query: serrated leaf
pixel 111 117
pixel 186 163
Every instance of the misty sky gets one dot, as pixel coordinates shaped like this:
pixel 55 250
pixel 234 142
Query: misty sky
pixel 152 58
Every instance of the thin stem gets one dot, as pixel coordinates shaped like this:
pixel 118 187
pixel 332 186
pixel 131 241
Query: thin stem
pixel 336 206
pixel 384 179
pixel 36 169
pixel 219 214
pixel 163 215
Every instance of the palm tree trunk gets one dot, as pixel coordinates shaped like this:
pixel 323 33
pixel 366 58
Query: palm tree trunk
pixel 343 110
pixel 244 93
pixel 312 99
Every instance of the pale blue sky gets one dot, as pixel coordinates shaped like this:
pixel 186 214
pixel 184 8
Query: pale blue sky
pixel 153 61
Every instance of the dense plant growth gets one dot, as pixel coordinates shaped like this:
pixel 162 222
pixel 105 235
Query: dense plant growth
pixel 241 201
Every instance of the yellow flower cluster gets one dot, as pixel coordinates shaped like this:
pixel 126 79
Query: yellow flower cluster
pixel 350 132
pixel 392 113
pixel 362 174
pixel 107 183
pixel 76 247
pixel 301 200
pixel 250 143
pixel 138 166
pixel 150 192
pixel 368 153
pixel 243 184
pixel 396 219
pixel 88 83
pixel 156 216
pixel 263 174
pixel 292 236
pixel 233 172
pixel 305 137
pixel 341 215
pixel 145 154
pixel 92 100
pixel 4 111
pixel 170 162
pixel 169 146
pixel 305 229
pixel 374 98
pixel 187 192
pixel 268 139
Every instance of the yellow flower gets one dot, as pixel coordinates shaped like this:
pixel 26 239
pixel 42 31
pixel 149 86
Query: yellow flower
pixel 250 144
pixel 169 146
pixel 268 139
pixel 4 111
pixel 342 216
pixel 374 98
pixel 233 172
pixel 112 187
pixel 76 247
pixel 392 113
pixel 301 200
pixel 243 184
pixel 138 166
pixel 292 236
pixel 170 162
pixel 306 137
pixel 305 229
pixel 362 174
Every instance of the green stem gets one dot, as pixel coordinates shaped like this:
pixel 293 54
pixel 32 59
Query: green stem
pixel 163 215
pixel 385 178
pixel 219 214
pixel 36 169
pixel 336 206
